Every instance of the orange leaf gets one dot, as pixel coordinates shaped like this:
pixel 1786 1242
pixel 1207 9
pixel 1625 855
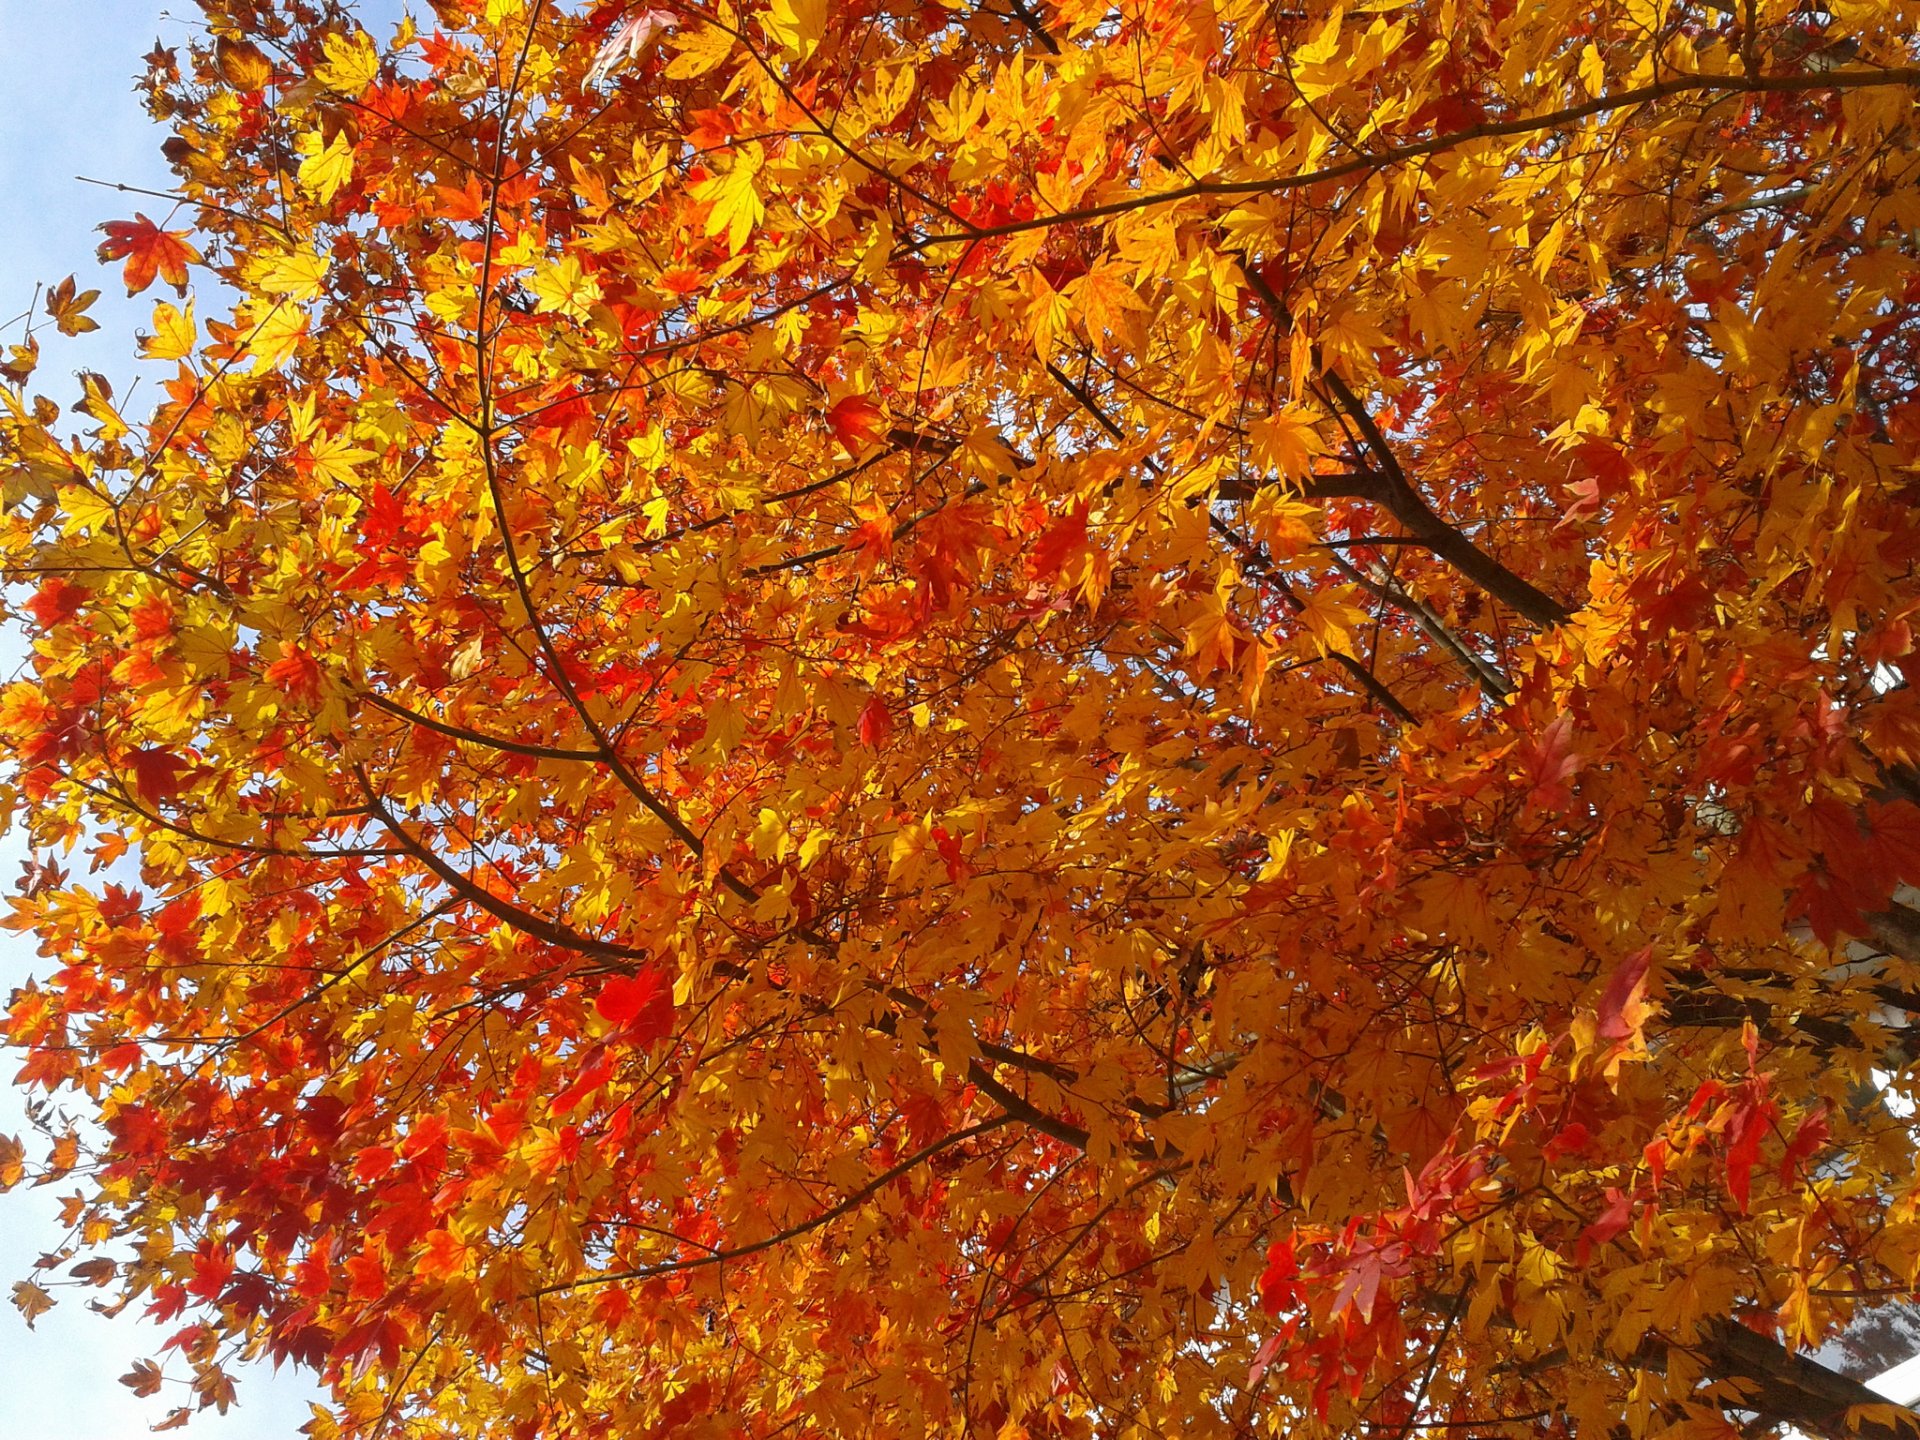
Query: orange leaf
pixel 149 252
pixel 856 422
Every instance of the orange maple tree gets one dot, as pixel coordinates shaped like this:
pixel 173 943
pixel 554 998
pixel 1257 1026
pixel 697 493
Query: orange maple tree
pixel 915 717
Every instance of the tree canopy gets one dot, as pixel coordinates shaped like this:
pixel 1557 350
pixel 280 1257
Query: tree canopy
pixel 1035 718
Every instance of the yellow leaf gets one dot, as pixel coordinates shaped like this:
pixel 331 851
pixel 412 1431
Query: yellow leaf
pixel 31 1301
pixel 69 308
pixel 736 204
pixel 1593 70
pixel 984 453
pixel 13 1156
pixel 173 333
pixel 1103 299
pixel 333 458
pixel 1331 622
pixel 726 726
pixel 563 287
pixel 277 336
pixel 1047 315
pixel 1285 442
pixel 352 64
pixel 300 275
pixel 700 50
pixel 326 167
pixel 1348 333
pixel 797 25
pixel 1211 635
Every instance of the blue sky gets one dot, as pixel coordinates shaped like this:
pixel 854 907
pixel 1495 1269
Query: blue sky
pixel 66 70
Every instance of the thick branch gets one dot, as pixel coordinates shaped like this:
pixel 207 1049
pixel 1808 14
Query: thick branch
pixel 1783 1386
pixel 1398 495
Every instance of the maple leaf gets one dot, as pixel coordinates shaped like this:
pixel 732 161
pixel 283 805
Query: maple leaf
pixel 1064 538
pixel 351 64
pixel 157 774
pixel 797 26
pixel 1279 1289
pixel 703 48
pixel 150 252
pixel 875 723
pixel 640 1005
pixel 296 673
pixel 564 288
pixel 733 198
pixel 57 600
pixel 1809 1138
pixel 1104 299
pixel 31 1300
pixel 332 458
pixel 1548 763
pixel 444 1256
pixel 1331 621
pixel 1622 1011
pixel 68 308
pixel 174 333
pixel 242 64
pixel 1751 1121
pixel 325 166
pixel 626 43
pixel 1286 442
pixel 1612 1221
pixel 857 422
pixel 1359 1283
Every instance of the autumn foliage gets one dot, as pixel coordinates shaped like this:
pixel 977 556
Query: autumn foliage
pixel 903 717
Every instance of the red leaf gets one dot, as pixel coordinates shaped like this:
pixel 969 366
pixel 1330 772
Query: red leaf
pixel 1548 763
pixel 1611 1221
pixel 948 844
pixel 1360 1285
pixel 875 723
pixel 156 774
pixel 296 674
pixel 1263 1357
pixel 57 600
pixel 856 422
pixel 1062 540
pixel 926 1120
pixel 1278 1287
pixel 585 1083
pixel 1810 1137
pixel 1621 1013
pixel 1750 1124
pixel 1896 833
pixel 149 251
pixel 683 280
pixel 1570 1139
pixel 640 1004
pixel 1828 913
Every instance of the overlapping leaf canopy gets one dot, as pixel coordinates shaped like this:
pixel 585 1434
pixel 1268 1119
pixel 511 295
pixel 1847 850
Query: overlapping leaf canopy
pixel 1045 719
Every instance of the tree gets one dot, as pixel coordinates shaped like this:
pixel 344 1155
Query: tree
pixel 1046 719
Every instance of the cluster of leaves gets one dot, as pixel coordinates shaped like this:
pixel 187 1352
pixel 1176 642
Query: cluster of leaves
pixel 1061 720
